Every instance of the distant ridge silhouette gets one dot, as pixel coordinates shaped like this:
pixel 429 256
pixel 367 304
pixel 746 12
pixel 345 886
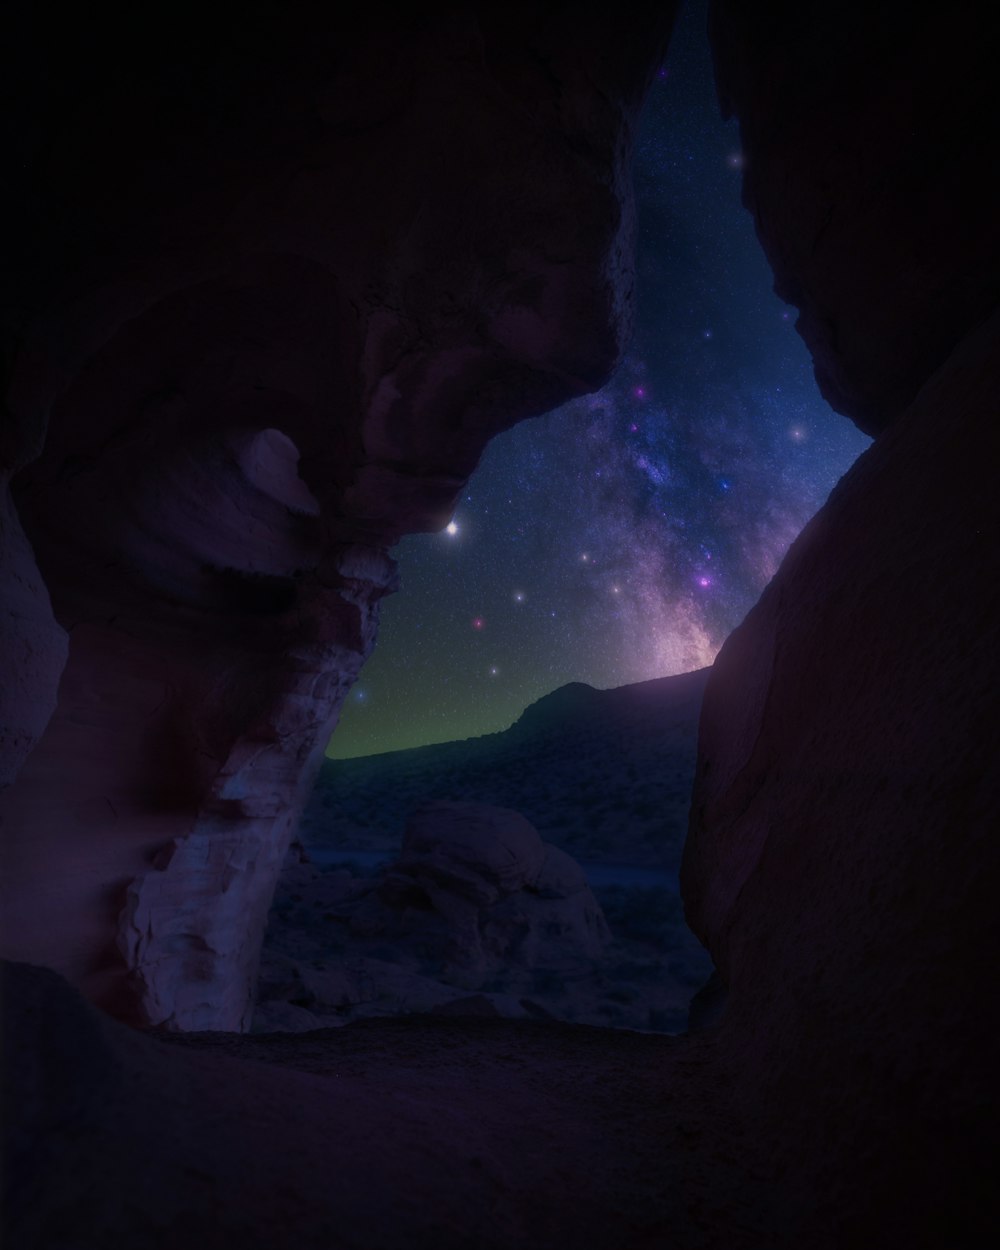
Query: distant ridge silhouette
pixel 603 774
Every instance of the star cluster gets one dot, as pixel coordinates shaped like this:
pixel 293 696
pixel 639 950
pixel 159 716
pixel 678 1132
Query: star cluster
pixel 623 536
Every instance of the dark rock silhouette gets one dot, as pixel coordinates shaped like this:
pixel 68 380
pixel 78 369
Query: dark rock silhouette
pixel 867 140
pixel 437 1130
pixel 840 834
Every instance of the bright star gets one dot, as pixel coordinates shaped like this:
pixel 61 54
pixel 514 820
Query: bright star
pixel 519 596
pixel 478 622
pixel 451 528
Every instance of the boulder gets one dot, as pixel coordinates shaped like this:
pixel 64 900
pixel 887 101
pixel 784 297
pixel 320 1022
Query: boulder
pixel 560 934
pixel 560 876
pixel 464 844
pixel 475 892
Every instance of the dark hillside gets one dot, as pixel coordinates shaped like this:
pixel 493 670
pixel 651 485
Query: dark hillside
pixel 603 774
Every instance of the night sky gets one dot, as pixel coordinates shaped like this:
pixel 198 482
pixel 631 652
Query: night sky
pixel 623 536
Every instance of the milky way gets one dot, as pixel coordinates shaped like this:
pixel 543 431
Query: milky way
pixel 623 536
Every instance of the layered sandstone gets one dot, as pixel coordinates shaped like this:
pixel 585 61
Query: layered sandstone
pixel 281 278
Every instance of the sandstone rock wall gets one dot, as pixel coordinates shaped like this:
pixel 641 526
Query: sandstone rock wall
pixel 869 141
pixel 842 864
pixel 281 277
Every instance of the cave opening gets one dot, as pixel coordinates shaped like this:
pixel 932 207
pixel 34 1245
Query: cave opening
pixel 388 244
pixel 598 549
pixel 623 537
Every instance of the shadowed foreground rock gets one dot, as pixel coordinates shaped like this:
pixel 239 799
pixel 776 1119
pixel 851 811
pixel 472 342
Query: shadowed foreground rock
pixel 842 866
pixel 418 1134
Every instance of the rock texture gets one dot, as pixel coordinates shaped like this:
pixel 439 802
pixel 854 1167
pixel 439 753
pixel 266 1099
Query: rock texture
pixel 278 280
pixel 842 865
pixel 869 141
pixel 476 890
pixel 475 914
pixel 432 1131
pixel 488 852
pixel 32 644
pixel 480 891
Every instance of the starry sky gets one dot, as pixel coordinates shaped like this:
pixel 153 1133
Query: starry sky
pixel 623 536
